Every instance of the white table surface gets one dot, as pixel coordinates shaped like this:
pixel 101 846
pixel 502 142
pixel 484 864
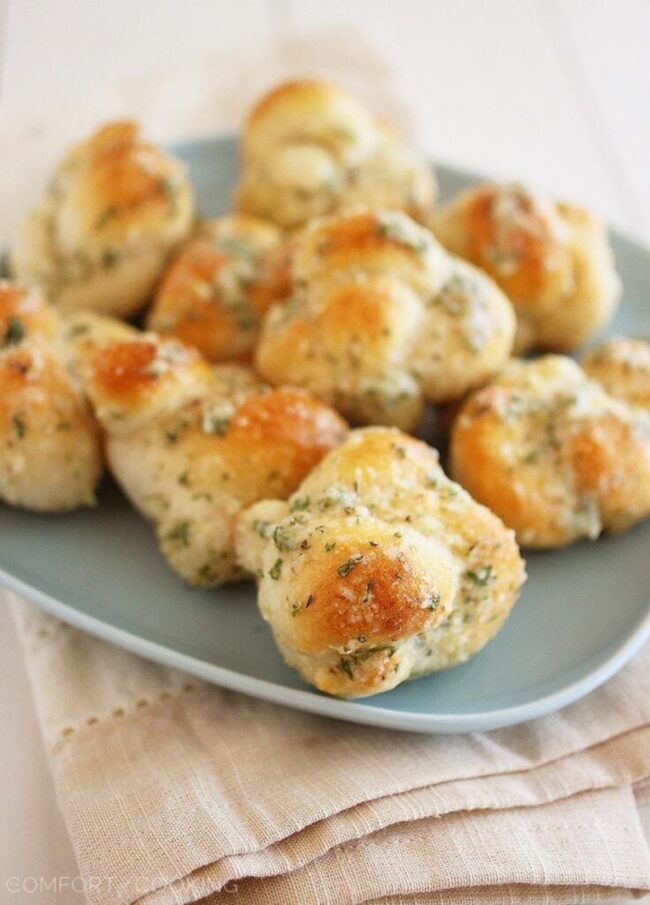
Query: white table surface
pixel 552 92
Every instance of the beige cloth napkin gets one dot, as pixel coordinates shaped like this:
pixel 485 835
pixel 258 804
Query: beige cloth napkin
pixel 174 791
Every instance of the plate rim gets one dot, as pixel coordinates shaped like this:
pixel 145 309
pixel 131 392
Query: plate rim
pixel 311 701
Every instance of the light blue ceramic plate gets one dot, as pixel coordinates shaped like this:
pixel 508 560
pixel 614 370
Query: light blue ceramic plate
pixel 583 612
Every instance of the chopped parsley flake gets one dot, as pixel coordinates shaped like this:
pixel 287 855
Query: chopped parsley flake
pixel 261 528
pixel 276 570
pixel 111 257
pixel 345 664
pixel 15 331
pixel 433 602
pixel 106 216
pixel 19 426
pixel 207 572
pixel 78 330
pixel 480 576
pixel 282 538
pixel 346 567
pixel 179 534
pixel 297 607
pixel 213 423
pixel 349 661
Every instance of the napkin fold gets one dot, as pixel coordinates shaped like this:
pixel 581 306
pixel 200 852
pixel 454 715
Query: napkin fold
pixel 174 791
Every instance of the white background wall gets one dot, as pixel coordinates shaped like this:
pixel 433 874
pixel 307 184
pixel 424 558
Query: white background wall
pixel 554 92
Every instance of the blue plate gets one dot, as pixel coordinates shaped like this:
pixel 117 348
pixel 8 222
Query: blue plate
pixel 583 612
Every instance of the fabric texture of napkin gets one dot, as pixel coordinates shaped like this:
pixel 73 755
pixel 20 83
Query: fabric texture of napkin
pixel 175 791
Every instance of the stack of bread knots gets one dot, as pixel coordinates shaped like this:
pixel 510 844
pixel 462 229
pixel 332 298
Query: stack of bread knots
pixel 335 291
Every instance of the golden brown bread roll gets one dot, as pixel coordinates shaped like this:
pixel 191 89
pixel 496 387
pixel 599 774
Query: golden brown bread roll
pixel 82 333
pixel 214 292
pixel 553 454
pixel 50 451
pixel 379 568
pixel 310 149
pixel 191 445
pixel 379 318
pixel 115 207
pixel 622 366
pixel 553 261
